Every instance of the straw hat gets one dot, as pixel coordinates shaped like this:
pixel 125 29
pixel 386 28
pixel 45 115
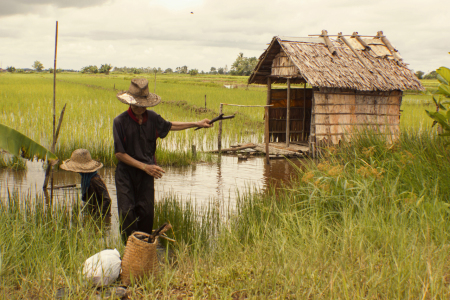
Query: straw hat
pixel 81 162
pixel 138 94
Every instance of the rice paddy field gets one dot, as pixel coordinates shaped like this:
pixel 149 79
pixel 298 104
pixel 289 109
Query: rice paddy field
pixel 26 105
pixel 25 102
pixel 368 220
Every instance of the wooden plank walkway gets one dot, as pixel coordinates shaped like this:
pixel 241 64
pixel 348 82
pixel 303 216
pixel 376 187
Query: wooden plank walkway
pixel 276 150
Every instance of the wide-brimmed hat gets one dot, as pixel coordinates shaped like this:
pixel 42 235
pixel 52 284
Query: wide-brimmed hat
pixel 81 162
pixel 138 94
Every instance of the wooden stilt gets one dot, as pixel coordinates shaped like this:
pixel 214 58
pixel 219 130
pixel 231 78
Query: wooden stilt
pixel 288 111
pixel 266 119
pixel 219 142
pixel 304 114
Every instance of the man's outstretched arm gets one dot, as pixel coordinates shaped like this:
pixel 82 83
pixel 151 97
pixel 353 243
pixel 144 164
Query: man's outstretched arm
pixel 176 126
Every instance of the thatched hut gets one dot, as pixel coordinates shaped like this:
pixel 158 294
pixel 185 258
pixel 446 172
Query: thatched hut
pixel 357 81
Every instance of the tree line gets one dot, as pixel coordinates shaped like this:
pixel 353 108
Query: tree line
pixel 422 75
pixel 242 66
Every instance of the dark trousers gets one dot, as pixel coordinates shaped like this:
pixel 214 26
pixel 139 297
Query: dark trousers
pixel 135 200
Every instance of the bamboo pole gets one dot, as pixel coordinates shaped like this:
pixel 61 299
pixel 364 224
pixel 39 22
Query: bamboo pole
pixel 328 42
pixel 312 136
pixel 360 40
pixel 47 173
pixel 54 84
pixel 288 110
pixel 219 141
pixel 304 113
pixel 247 105
pixel 266 119
pixel 355 52
pixel 385 41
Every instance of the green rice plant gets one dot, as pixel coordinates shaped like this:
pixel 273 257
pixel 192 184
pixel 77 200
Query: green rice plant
pixel 25 101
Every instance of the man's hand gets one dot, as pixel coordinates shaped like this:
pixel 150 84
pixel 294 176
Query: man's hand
pixel 154 170
pixel 204 123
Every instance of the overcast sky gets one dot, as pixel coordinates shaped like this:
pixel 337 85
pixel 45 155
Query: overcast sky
pixel 164 33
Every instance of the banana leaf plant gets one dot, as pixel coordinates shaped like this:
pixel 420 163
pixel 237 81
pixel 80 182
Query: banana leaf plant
pixel 17 143
pixel 439 117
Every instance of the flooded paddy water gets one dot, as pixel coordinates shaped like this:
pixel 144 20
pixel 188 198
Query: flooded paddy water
pixel 219 183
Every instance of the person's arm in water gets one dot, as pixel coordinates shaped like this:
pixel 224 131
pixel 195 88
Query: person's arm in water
pixel 176 126
pixel 152 170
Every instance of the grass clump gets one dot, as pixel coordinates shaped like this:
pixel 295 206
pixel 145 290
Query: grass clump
pixel 368 221
pixel 13 162
pixel 43 247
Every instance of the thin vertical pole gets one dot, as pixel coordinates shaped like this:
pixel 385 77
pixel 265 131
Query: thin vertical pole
pixel 49 167
pixel 154 90
pixel 312 135
pixel 219 141
pixel 288 112
pixel 266 119
pixel 54 85
pixel 304 113
pixel 205 102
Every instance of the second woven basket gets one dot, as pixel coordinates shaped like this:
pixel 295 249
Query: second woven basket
pixel 140 258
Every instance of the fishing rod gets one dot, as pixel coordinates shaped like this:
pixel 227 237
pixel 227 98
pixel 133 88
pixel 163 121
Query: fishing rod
pixel 218 118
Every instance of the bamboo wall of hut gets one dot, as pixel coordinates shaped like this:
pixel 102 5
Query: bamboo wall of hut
pixel 339 112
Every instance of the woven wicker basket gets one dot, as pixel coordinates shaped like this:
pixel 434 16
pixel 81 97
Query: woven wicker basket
pixel 140 258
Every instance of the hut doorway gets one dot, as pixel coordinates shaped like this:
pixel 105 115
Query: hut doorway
pixel 299 115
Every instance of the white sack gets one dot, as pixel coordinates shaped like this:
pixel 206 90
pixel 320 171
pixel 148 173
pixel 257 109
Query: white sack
pixel 102 268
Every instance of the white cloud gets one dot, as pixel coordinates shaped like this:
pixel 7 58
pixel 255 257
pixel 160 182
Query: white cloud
pixel 164 33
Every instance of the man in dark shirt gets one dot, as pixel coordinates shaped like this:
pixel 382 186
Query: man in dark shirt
pixel 135 134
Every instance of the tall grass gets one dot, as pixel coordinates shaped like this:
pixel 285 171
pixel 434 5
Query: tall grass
pixel 43 248
pixel 370 220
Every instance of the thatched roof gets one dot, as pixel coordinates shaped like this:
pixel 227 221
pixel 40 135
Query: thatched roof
pixel 351 62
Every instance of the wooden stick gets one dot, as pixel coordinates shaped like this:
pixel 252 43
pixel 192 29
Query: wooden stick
pixel 360 40
pixel 356 53
pixel 385 41
pixel 312 136
pixel 266 119
pixel 49 167
pixel 54 83
pixel 245 105
pixel 372 36
pixel 288 110
pixel 219 142
pixel 234 149
pixel 304 113
pixel 47 173
pixel 64 186
pixel 328 42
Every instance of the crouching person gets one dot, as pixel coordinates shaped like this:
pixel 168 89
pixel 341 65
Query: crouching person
pixel 93 189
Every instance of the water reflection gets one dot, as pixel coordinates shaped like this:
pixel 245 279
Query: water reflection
pixel 203 181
